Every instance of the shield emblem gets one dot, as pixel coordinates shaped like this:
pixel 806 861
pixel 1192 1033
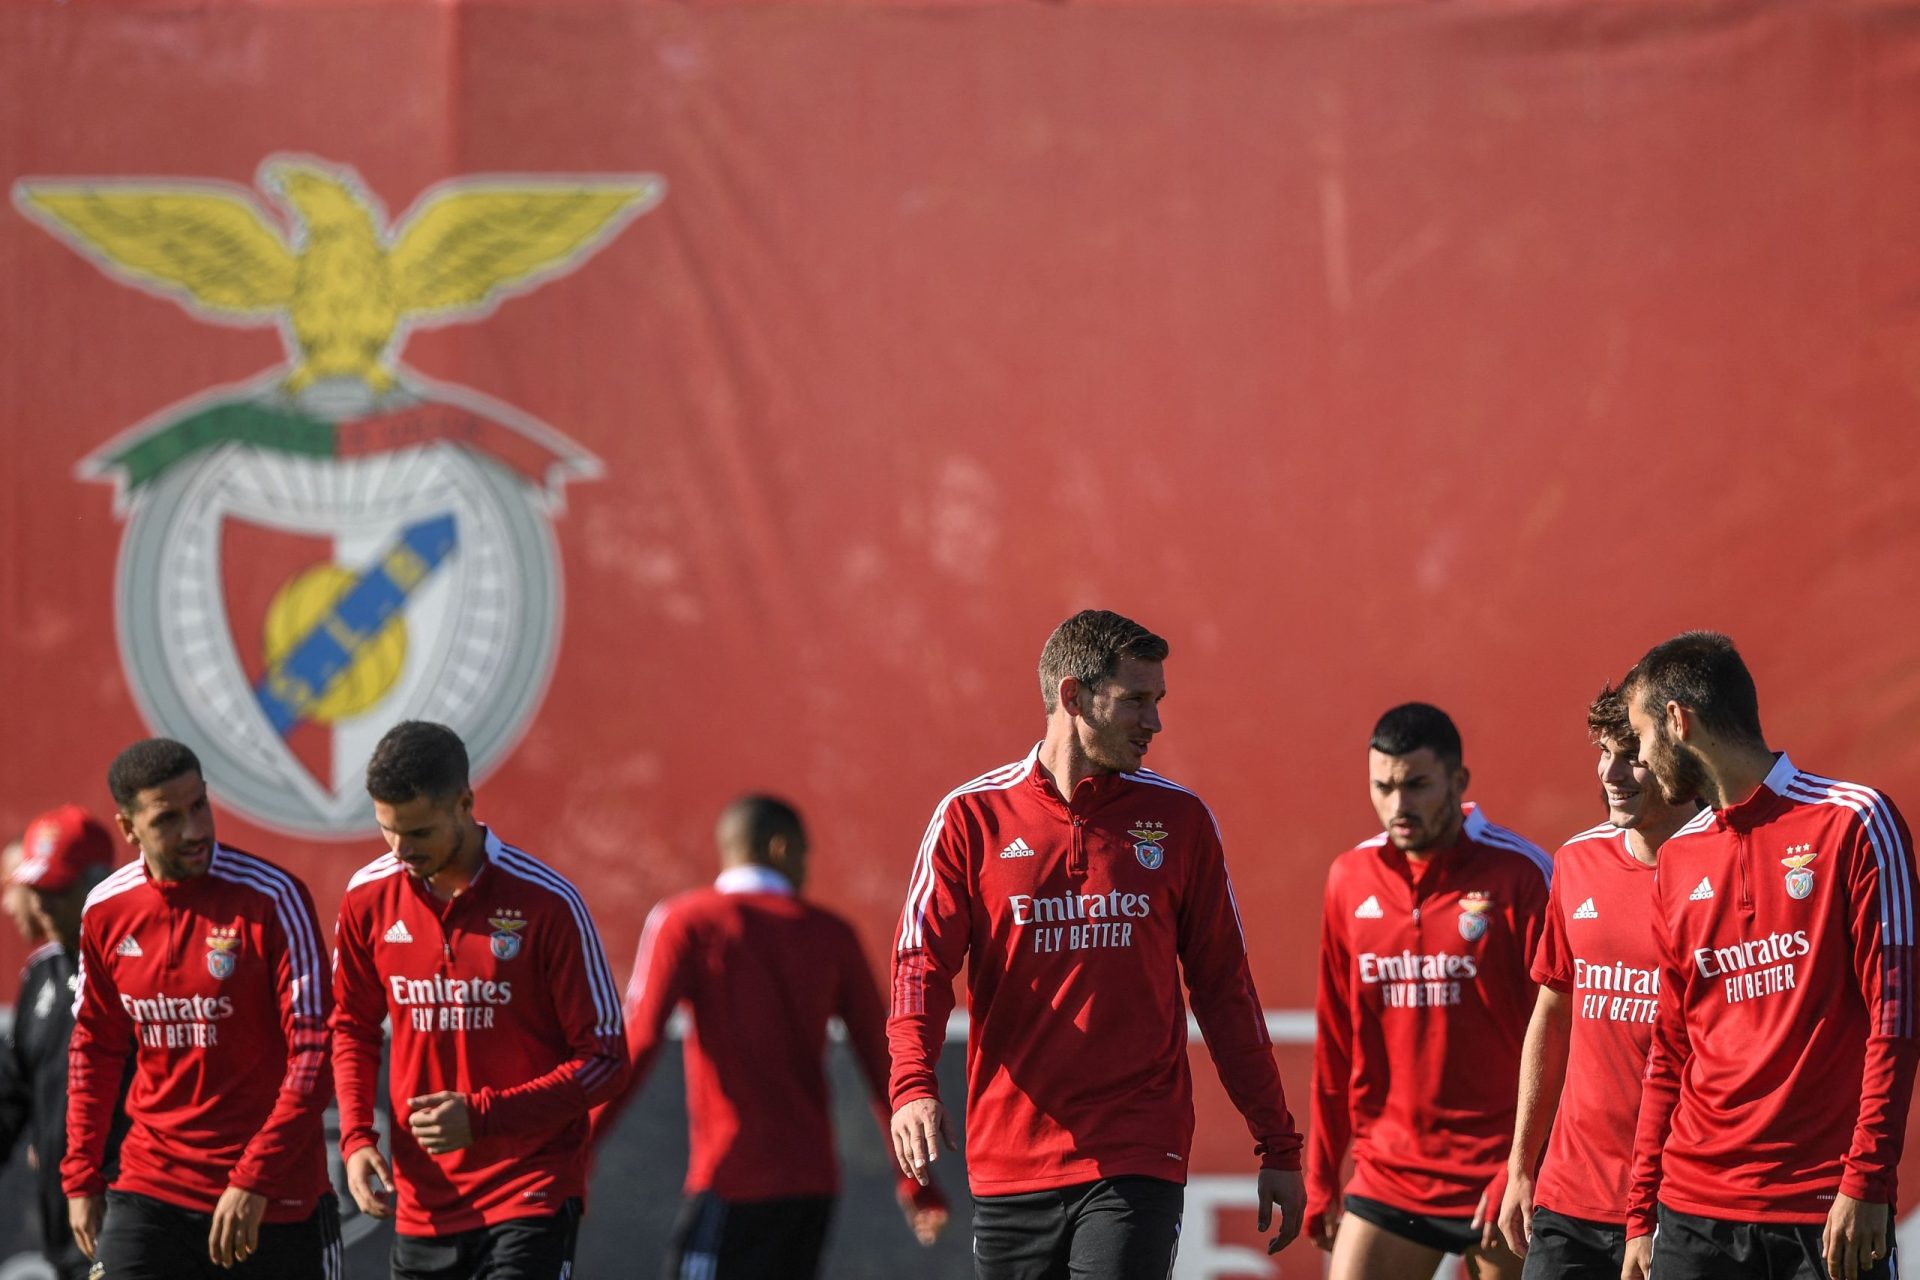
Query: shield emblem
pixel 1473 927
pixel 1799 883
pixel 506 946
pixel 220 964
pixel 1150 855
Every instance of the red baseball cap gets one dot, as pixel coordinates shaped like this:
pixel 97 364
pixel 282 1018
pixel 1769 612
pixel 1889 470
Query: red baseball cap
pixel 60 847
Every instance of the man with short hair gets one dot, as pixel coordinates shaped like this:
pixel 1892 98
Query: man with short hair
pixel 1782 1062
pixel 1586 1046
pixel 64 854
pixel 1426 936
pixel 205 965
pixel 1078 887
pixel 762 971
pixel 506 1029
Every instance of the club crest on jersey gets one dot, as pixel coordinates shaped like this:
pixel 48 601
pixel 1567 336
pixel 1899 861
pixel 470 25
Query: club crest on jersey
pixel 506 934
pixel 1473 915
pixel 1799 879
pixel 223 952
pixel 1149 834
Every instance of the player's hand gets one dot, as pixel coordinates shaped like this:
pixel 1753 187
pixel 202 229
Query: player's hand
pixel 926 1211
pixel 83 1218
pixel 236 1226
pixel 1323 1226
pixel 368 1180
pixel 1855 1237
pixel 440 1122
pixel 1516 1212
pixel 1639 1258
pixel 1285 1190
pixel 1486 1214
pixel 918 1128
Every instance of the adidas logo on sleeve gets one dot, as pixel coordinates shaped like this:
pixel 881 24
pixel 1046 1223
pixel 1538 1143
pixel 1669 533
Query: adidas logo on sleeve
pixel 1586 911
pixel 1369 910
pixel 1018 849
pixel 1702 891
pixel 398 933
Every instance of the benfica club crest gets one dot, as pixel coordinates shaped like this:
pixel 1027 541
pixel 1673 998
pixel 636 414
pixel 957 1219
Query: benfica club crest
pixel 1473 915
pixel 506 934
pixel 341 543
pixel 223 950
pixel 1148 850
pixel 1799 878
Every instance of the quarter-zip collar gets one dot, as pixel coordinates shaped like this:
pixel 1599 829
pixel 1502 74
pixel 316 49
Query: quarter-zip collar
pixel 1471 827
pixel 172 889
pixel 752 878
pixel 1090 792
pixel 1765 799
pixel 490 849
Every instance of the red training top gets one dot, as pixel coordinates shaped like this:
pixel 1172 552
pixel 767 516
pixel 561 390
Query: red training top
pixel 1076 921
pixel 217 988
pixel 502 994
pixel 1598 950
pixel 1423 1005
pixel 762 971
pixel 1784 1049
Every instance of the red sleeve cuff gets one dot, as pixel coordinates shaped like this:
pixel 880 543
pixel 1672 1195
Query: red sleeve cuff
pixel 1868 1188
pixel 1284 1161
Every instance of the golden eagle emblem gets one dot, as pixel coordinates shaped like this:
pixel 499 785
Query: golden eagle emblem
pixel 344 283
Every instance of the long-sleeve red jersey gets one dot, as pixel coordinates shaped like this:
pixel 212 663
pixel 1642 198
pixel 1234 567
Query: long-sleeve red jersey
pixel 1598 951
pixel 761 971
pixel 216 987
pixel 502 994
pixel 1076 920
pixel 1423 1004
pixel 1783 1049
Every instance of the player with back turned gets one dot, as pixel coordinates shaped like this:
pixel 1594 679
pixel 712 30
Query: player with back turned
pixel 1784 1043
pixel 1079 887
pixel 1426 938
pixel 761 971
pixel 506 1029
pixel 204 966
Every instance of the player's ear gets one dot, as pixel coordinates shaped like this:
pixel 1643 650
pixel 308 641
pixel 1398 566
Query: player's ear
pixel 1069 699
pixel 464 805
pixel 1462 776
pixel 124 820
pixel 1680 722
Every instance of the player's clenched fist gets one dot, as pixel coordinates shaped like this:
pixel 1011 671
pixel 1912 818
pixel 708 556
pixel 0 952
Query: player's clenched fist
pixel 918 1128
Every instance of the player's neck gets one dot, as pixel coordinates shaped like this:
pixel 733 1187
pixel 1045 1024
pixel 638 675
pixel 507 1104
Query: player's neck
pixel 1064 761
pixel 1733 771
pixel 1644 841
pixel 460 870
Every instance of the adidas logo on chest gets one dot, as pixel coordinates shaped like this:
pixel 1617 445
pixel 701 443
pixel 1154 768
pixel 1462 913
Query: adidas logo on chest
pixel 1369 910
pixel 1018 849
pixel 128 947
pixel 398 933
pixel 1586 911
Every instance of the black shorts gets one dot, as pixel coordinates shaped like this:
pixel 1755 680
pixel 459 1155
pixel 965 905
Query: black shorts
pixel 1116 1228
pixel 538 1248
pixel 1448 1235
pixel 1686 1247
pixel 1564 1248
pixel 147 1239
pixel 716 1239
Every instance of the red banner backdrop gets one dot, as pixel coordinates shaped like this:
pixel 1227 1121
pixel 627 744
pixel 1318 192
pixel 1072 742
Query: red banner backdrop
pixel 1454 352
